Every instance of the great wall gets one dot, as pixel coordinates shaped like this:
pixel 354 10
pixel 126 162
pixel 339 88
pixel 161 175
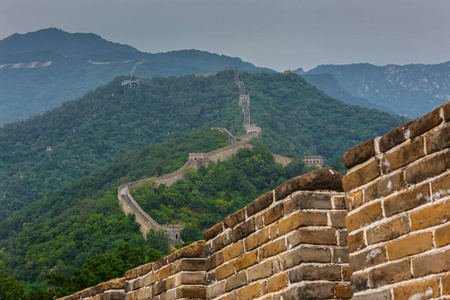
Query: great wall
pixel 129 205
pixel 381 232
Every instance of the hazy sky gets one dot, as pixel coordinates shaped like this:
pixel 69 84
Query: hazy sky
pixel 278 34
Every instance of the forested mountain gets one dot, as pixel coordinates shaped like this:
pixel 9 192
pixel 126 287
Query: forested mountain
pixel 87 133
pixel 83 219
pixel 60 206
pixel 40 70
pixel 410 90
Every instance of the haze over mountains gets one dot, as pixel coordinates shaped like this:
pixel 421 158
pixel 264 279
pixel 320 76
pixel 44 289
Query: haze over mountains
pixel 411 90
pixel 42 69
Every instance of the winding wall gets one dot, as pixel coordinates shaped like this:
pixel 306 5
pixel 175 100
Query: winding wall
pixel 382 232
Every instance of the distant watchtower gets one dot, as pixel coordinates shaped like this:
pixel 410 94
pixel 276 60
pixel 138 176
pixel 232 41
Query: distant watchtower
pixel 129 84
pixel 313 160
pixel 200 157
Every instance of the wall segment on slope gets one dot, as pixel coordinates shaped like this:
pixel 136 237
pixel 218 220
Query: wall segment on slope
pixel 290 243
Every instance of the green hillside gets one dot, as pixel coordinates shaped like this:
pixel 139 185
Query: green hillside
pixel 295 118
pixel 83 220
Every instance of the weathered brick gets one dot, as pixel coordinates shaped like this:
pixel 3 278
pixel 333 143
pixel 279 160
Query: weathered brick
pixel 418 290
pixel 411 151
pixel 272 248
pixel 263 270
pixel 213 231
pixel 257 239
pixel 407 200
pixel 214 260
pixel 221 241
pixel 233 251
pixel 235 281
pixel 440 187
pixel 158 288
pixel 340 255
pixel 435 214
pixel 230 296
pixel 166 271
pixel 192 278
pixel 409 245
pixel 194 250
pixel 371 192
pixel 273 231
pixel 390 273
pixel 390 184
pixel 247 260
pixel 312 236
pixel 425 123
pixel 342 236
pixel 359 154
pixel 301 218
pixel 430 167
pixel 354 200
pixel 216 289
pixel 389 230
pixel 225 270
pixel 366 215
pixel 235 218
pixel 190 264
pixel 446 282
pixel 273 214
pixel 243 230
pixel 446 109
pixel 197 292
pixel 315 272
pixel 343 291
pixel 322 290
pixel 249 292
pixel 361 176
pixel 321 179
pixel 277 282
pixel 431 263
pixel 259 204
pixel 393 138
pixel 442 236
pixel 378 295
pixel 438 140
pixel 339 202
pixel 359 281
pixel 303 255
pixel 356 241
pixel 305 200
pixel 367 259
pixel 338 219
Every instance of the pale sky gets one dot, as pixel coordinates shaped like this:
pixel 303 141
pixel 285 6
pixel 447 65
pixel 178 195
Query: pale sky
pixel 278 34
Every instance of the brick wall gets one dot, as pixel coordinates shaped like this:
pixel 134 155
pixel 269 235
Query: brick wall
pixel 398 197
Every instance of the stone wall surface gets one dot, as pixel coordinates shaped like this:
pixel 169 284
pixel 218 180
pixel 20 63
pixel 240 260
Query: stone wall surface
pixel 398 198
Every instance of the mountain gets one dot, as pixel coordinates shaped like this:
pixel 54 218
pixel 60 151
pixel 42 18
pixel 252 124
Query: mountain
pixel 60 204
pixel 41 70
pixel 58 41
pixel 410 90
pixel 89 132
pixel 331 87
